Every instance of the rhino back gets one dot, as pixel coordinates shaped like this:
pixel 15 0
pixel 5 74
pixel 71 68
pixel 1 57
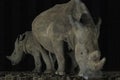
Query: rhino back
pixel 56 14
pixel 30 43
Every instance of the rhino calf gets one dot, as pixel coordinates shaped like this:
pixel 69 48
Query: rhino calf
pixel 26 43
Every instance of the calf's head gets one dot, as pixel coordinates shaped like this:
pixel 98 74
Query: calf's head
pixel 17 54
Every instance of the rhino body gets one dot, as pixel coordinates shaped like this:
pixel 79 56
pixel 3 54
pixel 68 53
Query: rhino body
pixel 63 23
pixel 52 27
pixel 26 43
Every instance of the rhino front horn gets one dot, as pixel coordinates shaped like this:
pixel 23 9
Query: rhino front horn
pixel 8 57
pixel 101 63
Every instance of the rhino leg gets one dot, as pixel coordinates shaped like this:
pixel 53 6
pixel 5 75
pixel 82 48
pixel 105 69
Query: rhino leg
pixel 47 60
pixel 50 67
pixel 38 63
pixel 73 62
pixel 81 59
pixel 58 50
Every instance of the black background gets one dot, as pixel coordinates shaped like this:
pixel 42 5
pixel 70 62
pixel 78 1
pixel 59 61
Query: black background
pixel 16 17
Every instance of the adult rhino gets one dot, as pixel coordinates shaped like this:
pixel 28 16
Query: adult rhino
pixel 56 25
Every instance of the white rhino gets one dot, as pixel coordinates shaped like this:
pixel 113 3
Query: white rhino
pixel 69 22
pixel 27 44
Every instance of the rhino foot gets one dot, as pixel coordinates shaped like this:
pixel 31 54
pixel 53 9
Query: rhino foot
pixel 48 71
pixel 60 73
pixel 83 76
pixel 37 70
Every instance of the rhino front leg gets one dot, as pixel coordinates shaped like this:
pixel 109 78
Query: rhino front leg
pixel 38 63
pixel 58 50
pixel 73 63
pixel 81 59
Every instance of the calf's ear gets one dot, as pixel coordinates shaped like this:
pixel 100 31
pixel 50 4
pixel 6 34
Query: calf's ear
pixel 21 37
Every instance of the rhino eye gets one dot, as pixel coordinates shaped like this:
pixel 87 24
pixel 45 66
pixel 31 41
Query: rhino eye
pixel 81 53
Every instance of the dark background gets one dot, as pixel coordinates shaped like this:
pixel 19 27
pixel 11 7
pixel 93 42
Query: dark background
pixel 16 17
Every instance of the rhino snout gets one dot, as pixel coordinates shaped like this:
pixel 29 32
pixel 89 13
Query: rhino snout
pixel 12 61
pixel 8 57
pixel 95 62
pixel 95 56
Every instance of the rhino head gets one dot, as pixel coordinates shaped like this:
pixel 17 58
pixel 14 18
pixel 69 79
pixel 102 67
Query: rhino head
pixel 17 54
pixel 87 51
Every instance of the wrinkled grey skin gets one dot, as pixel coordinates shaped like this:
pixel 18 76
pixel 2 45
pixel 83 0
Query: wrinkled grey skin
pixel 26 43
pixel 61 23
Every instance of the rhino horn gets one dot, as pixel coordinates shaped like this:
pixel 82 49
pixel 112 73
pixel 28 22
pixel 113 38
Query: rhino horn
pixel 8 57
pixel 100 64
pixel 96 66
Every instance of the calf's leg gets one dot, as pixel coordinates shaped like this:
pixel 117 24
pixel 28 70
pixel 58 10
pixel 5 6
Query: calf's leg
pixel 38 63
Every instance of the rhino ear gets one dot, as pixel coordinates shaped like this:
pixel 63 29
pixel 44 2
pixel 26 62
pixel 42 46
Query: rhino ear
pixel 98 27
pixel 16 42
pixel 22 37
pixel 75 24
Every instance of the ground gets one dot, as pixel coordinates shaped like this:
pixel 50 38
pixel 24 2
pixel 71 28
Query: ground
pixel 37 76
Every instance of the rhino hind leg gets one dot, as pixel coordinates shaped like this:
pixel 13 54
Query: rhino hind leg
pixel 47 60
pixel 38 63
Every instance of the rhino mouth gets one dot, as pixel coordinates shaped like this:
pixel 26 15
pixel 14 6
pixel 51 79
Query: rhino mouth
pixel 95 61
pixel 13 62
